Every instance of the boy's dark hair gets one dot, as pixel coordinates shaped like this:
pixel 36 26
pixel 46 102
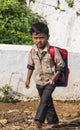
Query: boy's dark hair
pixel 39 28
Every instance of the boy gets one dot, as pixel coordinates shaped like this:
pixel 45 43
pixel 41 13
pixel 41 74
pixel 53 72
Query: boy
pixel 45 74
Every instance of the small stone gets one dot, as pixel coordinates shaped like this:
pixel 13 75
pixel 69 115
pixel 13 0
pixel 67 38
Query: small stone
pixel 14 110
pixel 17 128
pixel 1 125
pixel 3 121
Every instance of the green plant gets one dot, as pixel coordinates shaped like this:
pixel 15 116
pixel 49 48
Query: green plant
pixel 16 20
pixel 6 96
pixel 70 3
pixel 5 89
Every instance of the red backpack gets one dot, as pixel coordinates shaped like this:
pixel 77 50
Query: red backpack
pixel 63 78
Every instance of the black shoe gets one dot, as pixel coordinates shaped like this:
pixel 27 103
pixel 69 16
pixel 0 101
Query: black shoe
pixel 37 124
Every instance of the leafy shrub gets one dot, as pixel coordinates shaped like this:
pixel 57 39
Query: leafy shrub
pixel 6 97
pixel 70 3
pixel 16 19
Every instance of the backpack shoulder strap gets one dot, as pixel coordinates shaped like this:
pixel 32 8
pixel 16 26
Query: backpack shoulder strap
pixel 52 52
pixel 31 50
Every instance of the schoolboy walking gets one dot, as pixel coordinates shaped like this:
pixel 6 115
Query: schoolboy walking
pixel 45 74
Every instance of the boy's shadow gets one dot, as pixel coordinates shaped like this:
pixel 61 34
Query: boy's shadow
pixel 72 125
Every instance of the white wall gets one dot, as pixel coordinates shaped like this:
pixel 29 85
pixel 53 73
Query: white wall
pixel 63 22
pixel 13 62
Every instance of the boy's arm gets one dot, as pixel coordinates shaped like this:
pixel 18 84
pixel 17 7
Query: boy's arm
pixel 30 67
pixel 55 77
pixel 29 74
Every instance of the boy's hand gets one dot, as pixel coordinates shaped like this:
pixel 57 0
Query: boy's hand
pixel 54 77
pixel 27 83
pixel 52 81
pixel 29 74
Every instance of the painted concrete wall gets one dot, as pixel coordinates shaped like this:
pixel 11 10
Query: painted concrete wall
pixel 63 21
pixel 13 62
pixel 13 68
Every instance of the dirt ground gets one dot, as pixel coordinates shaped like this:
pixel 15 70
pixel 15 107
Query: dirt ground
pixel 20 115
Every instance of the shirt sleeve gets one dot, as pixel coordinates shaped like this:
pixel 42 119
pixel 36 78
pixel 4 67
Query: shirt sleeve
pixel 59 61
pixel 30 64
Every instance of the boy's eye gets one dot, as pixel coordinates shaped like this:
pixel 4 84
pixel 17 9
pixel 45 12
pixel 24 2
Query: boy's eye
pixel 39 38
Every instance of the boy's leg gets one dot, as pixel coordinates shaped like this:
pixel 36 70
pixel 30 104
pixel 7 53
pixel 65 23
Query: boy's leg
pixel 40 91
pixel 52 117
pixel 44 102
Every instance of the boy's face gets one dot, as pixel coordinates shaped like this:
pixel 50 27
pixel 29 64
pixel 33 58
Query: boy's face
pixel 40 39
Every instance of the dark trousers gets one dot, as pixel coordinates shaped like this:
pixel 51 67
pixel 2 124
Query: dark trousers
pixel 46 108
